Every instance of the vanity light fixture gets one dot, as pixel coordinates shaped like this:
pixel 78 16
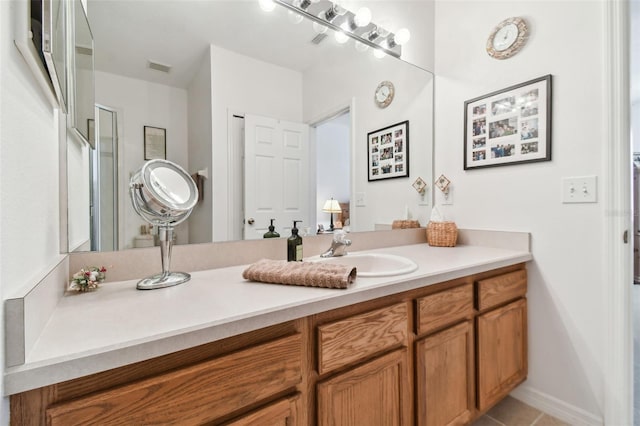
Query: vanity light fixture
pixel 331 14
pixel 304 4
pixel 363 17
pixel 401 37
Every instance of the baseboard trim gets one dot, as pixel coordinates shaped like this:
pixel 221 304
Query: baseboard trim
pixel 554 407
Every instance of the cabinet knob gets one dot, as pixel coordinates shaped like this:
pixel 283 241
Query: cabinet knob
pixel 251 221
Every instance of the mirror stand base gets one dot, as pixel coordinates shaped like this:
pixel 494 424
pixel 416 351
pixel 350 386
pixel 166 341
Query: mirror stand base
pixel 163 280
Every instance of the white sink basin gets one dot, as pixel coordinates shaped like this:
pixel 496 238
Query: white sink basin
pixel 373 264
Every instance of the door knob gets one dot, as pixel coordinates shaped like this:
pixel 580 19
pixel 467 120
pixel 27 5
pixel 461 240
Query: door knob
pixel 251 221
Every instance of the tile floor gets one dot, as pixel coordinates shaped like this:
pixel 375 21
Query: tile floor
pixel 511 412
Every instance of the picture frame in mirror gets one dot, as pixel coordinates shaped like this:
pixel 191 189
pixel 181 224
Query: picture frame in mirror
pixel 388 152
pixel 155 143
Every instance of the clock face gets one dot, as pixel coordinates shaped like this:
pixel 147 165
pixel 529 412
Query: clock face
pixel 507 38
pixel 384 94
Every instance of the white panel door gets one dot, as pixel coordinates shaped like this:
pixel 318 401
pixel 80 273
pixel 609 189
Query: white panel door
pixel 276 175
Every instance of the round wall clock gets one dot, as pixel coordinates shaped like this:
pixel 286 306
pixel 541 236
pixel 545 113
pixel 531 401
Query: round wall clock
pixel 507 38
pixel 384 94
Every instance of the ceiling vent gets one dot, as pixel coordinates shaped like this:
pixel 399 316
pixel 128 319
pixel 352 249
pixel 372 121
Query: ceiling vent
pixel 158 66
pixel 318 39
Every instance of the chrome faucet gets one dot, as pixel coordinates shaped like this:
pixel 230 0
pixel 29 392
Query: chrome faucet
pixel 338 245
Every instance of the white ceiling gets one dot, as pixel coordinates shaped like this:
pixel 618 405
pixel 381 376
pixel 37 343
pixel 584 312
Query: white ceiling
pixel 128 33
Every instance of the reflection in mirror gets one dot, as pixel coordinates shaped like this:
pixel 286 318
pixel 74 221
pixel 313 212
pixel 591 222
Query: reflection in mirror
pixel 54 46
pixel 232 90
pixel 83 100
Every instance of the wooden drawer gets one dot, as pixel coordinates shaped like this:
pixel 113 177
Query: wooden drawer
pixel 192 395
pixel 445 307
pixel 343 342
pixel 496 290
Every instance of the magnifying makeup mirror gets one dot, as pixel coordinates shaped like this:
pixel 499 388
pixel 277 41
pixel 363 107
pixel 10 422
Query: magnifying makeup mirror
pixel 163 194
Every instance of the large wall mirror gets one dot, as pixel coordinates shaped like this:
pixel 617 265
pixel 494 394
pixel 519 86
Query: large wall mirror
pixel 230 88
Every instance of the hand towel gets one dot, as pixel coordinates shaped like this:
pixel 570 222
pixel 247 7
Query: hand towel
pixel 310 274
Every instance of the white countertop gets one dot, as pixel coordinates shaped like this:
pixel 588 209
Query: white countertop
pixel 119 325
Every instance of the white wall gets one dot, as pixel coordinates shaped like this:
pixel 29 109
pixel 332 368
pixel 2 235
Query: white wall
pixel 242 84
pixel 141 103
pixel 385 199
pixel 333 172
pixel 29 217
pixel 566 287
pixel 200 149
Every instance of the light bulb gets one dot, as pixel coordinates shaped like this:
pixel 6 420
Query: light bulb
pixel 267 5
pixel 361 47
pixel 379 53
pixel 294 17
pixel 402 36
pixel 341 37
pixel 363 17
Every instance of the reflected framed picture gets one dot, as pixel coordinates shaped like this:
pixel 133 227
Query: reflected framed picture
pixel 388 152
pixel 510 126
pixel 155 143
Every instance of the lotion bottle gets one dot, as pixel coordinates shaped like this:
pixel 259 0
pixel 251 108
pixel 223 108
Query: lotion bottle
pixel 271 233
pixel 294 245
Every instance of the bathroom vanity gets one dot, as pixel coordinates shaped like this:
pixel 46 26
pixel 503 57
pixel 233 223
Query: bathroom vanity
pixel 440 345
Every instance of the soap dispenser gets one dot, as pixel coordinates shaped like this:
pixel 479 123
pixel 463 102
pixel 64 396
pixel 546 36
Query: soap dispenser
pixel 294 245
pixel 271 233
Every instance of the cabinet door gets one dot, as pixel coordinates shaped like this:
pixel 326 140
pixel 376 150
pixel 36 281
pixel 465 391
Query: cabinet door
pixel 280 413
pixel 376 393
pixel 444 377
pixel 502 352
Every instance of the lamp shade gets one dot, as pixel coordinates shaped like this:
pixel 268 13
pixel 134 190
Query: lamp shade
pixel 331 206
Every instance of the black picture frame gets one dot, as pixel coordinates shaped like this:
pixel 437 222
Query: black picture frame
pixel 388 152
pixel 155 143
pixel 509 126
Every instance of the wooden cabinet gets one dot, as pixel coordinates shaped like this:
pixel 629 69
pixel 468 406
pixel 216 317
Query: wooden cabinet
pixel 280 413
pixel 375 393
pixel 502 352
pixel 441 354
pixel 359 336
pixel 192 395
pixel 445 377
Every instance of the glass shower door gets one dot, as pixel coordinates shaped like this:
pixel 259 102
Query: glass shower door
pixel 104 182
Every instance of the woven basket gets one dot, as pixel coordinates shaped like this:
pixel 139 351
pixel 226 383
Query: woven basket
pixel 442 234
pixel 405 224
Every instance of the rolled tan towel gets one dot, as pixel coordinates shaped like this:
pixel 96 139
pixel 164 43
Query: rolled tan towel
pixel 310 274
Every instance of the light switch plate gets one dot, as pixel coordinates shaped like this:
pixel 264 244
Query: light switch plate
pixel 361 199
pixel 579 189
